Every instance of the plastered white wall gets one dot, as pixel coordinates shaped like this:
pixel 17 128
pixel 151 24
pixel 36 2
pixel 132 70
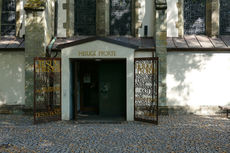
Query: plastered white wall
pixel 198 79
pixel 98 45
pixel 12 78
pixel 146 17
pixel 172 18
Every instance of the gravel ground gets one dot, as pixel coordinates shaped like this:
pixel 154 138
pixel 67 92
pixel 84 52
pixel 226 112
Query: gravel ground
pixel 179 133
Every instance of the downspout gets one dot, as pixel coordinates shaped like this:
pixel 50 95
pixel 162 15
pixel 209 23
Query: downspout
pixel 50 46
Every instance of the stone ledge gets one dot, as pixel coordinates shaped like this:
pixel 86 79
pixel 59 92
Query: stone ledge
pixel 163 110
pixel 11 109
pixel 198 110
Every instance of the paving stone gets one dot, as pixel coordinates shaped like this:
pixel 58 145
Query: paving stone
pixel 178 133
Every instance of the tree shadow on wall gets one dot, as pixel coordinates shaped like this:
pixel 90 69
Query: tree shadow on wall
pixel 183 64
pixel 12 80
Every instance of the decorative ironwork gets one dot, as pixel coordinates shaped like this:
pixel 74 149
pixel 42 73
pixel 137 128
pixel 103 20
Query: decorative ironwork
pixel 146 89
pixel 85 17
pixel 47 89
pixel 224 17
pixel 120 17
pixel 8 23
pixel 194 16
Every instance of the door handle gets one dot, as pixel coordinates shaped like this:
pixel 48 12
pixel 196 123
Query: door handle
pixel 104 89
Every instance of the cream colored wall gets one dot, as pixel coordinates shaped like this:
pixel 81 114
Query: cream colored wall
pixel 198 79
pixel 12 78
pixel 172 18
pixel 140 54
pixel 146 17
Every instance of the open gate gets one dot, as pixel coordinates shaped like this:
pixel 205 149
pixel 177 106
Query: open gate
pixel 47 89
pixel 146 90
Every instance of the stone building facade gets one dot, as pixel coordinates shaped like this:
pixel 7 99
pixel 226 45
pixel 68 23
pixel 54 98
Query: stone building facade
pixel 189 37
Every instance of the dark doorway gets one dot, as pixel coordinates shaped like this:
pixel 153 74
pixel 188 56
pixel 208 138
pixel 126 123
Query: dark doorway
pixel 85 17
pixel 100 90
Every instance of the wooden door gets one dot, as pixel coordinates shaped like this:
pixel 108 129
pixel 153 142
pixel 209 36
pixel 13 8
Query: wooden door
pixel 112 89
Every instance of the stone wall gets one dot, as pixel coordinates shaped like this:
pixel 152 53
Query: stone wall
pixel 212 17
pixel 62 18
pixel 39 31
pixel 161 47
pixel 173 28
pixel 102 17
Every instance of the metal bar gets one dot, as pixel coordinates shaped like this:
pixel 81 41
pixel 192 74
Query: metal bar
pixel 152 60
pixel 134 88
pixel 34 111
pixel 60 86
pixel 157 85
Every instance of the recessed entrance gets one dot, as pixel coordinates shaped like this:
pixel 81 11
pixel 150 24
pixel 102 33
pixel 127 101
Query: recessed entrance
pixel 99 89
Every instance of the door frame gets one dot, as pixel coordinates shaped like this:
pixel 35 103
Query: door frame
pixel 76 49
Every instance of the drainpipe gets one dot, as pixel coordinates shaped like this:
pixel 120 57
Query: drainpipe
pixel 48 53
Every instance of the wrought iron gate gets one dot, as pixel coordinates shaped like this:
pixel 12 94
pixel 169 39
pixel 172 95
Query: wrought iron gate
pixel 146 89
pixel 120 17
pixel 47 89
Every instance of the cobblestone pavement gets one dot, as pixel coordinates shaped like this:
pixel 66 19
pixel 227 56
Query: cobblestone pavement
pixel 188 133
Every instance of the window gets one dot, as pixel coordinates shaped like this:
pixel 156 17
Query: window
pixel 194 16
pixel 120 17
pixel 224 17
pixel 8 22
pixel 85 17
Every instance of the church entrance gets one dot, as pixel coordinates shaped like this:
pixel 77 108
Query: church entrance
pixel 99 89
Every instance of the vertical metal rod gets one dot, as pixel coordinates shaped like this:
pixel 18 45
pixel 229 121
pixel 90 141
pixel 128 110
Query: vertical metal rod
pixel 34 111
pixel 60 73
pixel 157 59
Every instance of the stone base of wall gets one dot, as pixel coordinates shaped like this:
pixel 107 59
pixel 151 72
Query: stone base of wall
pixel 198 110
pixel 11 109
pixel 16 109
pixel 163 110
